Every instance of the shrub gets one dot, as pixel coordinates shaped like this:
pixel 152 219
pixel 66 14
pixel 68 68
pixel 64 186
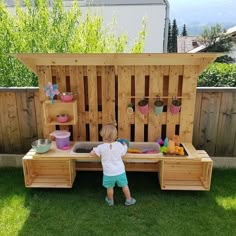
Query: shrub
pixel 218 75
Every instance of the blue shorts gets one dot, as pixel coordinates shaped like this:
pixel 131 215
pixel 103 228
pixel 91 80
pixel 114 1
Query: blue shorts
pixel 111 181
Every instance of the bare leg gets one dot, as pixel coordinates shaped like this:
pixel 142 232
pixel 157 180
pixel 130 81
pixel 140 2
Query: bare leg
pixel 110 193
pixel 126 192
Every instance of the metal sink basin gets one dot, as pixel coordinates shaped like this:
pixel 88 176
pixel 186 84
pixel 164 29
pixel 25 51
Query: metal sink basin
pixel 86 147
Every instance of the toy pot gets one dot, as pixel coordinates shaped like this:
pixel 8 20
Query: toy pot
pixel 62 118
pixel 62 138
pixel 67 96
pixel 143 106
pixel 158 107
pixel 175 106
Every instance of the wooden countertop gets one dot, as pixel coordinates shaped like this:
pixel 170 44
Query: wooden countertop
pixel 55 153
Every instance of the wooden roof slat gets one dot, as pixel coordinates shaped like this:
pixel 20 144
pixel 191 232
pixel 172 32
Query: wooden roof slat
pixel 37 59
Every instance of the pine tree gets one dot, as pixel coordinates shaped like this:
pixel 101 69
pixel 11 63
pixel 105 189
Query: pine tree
pixel 184 32
pixel 169 46
pixel 174 35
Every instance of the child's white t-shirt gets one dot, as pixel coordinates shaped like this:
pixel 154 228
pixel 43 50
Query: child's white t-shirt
pixel 111 157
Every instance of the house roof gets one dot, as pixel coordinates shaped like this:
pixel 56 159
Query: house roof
pixel 186 43
pixel 231 32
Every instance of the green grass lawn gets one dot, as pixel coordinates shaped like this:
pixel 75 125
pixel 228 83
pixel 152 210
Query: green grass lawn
pixel 82 210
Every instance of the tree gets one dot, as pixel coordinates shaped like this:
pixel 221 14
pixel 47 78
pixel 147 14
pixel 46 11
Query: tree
pixel 184 31
pixel 174 35
pixel 169 45
pixel 215 40
pixel 38 28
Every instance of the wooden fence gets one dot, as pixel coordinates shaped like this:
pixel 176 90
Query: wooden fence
pixel 214 125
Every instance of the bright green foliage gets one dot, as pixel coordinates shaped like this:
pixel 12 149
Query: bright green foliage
pixel 218 75
pixel 38 28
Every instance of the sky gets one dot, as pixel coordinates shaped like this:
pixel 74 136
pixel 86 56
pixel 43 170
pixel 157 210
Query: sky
pixel 203 11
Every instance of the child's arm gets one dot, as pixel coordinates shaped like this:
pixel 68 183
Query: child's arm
pixel 92 153
pixel 125 149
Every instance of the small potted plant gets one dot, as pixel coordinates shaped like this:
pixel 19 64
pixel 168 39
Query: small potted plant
pixel 175 106
pixel 143 106
pixel 158 106
pixel 130 109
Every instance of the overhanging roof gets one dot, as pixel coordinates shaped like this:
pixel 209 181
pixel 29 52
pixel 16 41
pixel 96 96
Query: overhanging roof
pixel 32 60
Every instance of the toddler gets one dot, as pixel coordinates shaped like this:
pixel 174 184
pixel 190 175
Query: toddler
pixel 111 153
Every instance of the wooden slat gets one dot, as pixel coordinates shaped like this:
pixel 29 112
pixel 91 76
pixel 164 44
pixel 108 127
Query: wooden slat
pixel 61 82
pixel 9 123
pixel 226 130
pixel 187 109
pixel 183 185
pixel 27 119
pixel 124 92
pixel 209 121
pixel 93 102
pixel 45 76
pixel 197 118
pixel 139 91
pixel 79 83
pixel 122 59
pixel 155 89
pixel 2 145
pixel 74 88
pixel 172 119
pixel 38 115
pixel 108 94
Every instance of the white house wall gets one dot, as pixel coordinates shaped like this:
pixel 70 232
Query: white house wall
pixel 129 20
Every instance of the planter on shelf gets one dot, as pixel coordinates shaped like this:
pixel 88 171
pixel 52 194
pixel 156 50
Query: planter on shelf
pixel 143 106
pixel 175 106
pixel 130 109
pixel 158 106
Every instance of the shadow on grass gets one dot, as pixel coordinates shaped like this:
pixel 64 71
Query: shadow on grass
pixel 82 211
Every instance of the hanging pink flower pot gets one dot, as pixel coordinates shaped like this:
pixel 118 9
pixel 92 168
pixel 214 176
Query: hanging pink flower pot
pixel 143 106
pixel 175 106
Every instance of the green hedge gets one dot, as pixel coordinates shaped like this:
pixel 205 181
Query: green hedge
pixel 218 75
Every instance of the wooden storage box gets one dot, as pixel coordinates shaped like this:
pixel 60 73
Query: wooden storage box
pixel 49 173
pixel 185 175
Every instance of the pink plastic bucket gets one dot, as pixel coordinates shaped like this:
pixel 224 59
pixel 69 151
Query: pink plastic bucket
pixel 62 138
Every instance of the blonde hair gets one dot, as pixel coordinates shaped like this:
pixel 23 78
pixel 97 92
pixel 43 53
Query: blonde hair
pixel 109 132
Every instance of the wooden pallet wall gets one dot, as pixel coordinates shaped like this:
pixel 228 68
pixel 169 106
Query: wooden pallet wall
pixel 214 120
pixel 104 93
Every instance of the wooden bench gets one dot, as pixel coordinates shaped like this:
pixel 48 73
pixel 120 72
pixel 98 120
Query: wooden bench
pixel 106 85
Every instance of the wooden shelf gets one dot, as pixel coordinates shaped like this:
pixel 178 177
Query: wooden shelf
pixel 49 173
pixel 49 182
pixel 183 185
pixel 51 110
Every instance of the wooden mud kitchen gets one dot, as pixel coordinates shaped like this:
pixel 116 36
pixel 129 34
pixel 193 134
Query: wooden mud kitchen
pixel 111 87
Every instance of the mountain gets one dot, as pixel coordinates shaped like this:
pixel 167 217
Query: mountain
pixel 197 14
